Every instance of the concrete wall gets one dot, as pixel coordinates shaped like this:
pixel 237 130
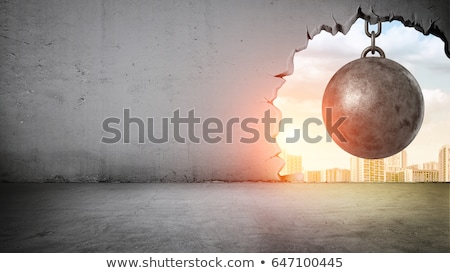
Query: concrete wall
pixel 66 66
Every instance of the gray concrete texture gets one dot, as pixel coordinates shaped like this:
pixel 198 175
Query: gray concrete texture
pixel 65 66
pixel 224 217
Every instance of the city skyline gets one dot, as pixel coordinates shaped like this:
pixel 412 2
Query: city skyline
pixel 390 169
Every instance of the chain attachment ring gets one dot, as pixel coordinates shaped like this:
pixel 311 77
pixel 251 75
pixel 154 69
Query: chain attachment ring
pixel 376 49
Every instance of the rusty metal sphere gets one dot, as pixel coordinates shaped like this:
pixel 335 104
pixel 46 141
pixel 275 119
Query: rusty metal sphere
pixel 375 107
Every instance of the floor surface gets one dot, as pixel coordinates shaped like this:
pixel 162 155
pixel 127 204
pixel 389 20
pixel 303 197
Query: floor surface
pixel 224 217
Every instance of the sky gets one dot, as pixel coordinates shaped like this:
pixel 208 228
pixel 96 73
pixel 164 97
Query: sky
pixel 301 95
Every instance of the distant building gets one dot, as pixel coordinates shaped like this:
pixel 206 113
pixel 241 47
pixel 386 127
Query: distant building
pixel 396 162
pixel 414 167
pixel 292 164
pixel 425 175
pixel 313 176
pixel 396 168
pixel 337 175
pixel 432 165
pixel 390 169
pixel 444 163
pixel 404 175
pixel 354 168
pixel 392 177
pixel 367 170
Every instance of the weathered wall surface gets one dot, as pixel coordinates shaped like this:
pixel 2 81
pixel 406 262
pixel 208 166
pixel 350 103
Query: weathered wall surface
pixel 66 66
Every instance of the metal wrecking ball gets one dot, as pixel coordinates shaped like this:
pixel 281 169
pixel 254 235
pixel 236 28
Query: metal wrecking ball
pixel 381 102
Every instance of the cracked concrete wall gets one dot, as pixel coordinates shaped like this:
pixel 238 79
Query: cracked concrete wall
pixel 65 66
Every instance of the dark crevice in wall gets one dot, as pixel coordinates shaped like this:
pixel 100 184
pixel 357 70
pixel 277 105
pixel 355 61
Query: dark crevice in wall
pixel 425 27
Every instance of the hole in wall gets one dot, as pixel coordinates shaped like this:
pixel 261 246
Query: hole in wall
pixel 300 98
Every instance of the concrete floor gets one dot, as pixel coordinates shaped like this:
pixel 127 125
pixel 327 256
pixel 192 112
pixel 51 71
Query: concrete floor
pixel 224 217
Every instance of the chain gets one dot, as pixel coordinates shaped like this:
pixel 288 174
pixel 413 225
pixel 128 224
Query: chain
pixel 372 35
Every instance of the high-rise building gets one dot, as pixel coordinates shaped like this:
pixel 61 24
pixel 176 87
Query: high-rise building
pixel 337 175
pixel 367 170
pixel 374 170
pixel 432 165
pixel 313 176
pixel 292 164
pixel 404 175
pixel 444 163
pixel 396 162
pixel 425 175
pixel 396 168
pixel 414 167
pixel 355 169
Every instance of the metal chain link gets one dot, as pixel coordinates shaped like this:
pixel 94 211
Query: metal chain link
pixel 372 35
pixel 366 28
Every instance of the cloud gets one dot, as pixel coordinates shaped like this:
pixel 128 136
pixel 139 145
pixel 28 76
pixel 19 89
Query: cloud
pixel 403 44
pixel 437 107
pixel 414 50
pixel 435 128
